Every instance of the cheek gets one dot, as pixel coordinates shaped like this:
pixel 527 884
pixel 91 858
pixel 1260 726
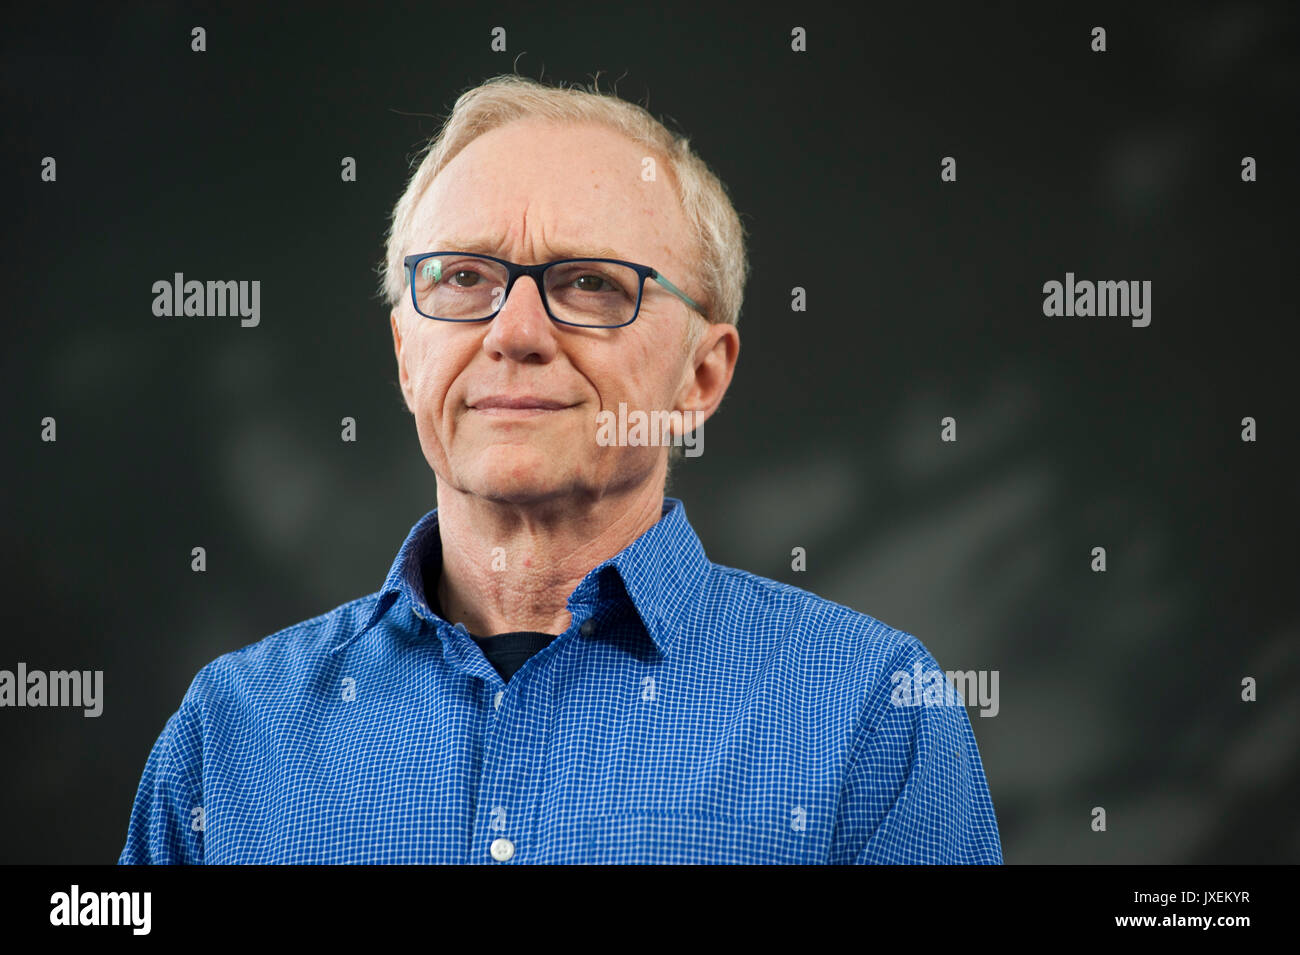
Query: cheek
pixel 432 371
pixel 645 376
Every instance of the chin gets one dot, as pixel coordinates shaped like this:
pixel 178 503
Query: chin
pixel 517 473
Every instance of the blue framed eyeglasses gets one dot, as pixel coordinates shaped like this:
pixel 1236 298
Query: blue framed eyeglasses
pixel 588 293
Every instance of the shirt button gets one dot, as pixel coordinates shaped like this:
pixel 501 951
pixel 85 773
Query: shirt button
pixel 496 701
pixel 502 850
pixel 588 627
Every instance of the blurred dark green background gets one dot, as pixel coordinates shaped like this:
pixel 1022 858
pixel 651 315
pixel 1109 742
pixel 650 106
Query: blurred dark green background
pixel 1119 690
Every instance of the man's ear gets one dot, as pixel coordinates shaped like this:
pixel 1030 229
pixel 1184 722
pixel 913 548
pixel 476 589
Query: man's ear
pixel 403 379
pixel 712 364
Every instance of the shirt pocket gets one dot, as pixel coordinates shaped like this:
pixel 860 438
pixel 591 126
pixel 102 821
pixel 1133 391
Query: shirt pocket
pixel 679 837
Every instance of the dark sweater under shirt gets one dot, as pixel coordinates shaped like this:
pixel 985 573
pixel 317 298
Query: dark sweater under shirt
pixel 507 652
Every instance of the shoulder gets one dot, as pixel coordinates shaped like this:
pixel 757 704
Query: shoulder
pixel 284 666
pixel 808 624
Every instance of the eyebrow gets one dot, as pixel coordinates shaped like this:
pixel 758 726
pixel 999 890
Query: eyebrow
pixel 489 247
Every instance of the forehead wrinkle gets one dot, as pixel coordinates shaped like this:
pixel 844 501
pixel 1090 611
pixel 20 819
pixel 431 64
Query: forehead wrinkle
pixel 543 248
pixel 553 251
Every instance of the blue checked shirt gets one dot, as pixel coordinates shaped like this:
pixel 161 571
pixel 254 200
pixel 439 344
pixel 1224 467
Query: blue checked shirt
pixel 690 713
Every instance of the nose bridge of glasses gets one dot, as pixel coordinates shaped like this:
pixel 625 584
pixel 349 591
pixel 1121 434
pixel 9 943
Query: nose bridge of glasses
pixel 536 272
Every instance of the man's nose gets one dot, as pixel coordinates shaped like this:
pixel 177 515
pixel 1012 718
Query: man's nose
pixel 521 329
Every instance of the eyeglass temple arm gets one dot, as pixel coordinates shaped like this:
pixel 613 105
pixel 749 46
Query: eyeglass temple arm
pixel 654 274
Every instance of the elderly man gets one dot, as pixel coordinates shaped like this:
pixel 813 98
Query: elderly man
pixel 553 671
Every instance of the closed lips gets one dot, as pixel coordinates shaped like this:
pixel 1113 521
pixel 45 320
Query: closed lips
pixel 523 403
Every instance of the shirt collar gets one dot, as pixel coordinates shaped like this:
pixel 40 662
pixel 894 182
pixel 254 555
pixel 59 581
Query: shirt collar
pixel 662 572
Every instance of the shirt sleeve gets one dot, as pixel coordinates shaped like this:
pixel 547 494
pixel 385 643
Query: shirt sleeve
pixel 166 825
pixel 914 791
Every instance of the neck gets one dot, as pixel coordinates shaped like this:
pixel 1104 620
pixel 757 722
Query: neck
pixel 508 567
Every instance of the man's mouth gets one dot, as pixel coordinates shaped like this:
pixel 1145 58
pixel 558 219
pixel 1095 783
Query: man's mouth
pixel 516 406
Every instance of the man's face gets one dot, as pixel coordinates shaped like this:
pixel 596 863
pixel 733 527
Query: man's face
pixel 531 192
